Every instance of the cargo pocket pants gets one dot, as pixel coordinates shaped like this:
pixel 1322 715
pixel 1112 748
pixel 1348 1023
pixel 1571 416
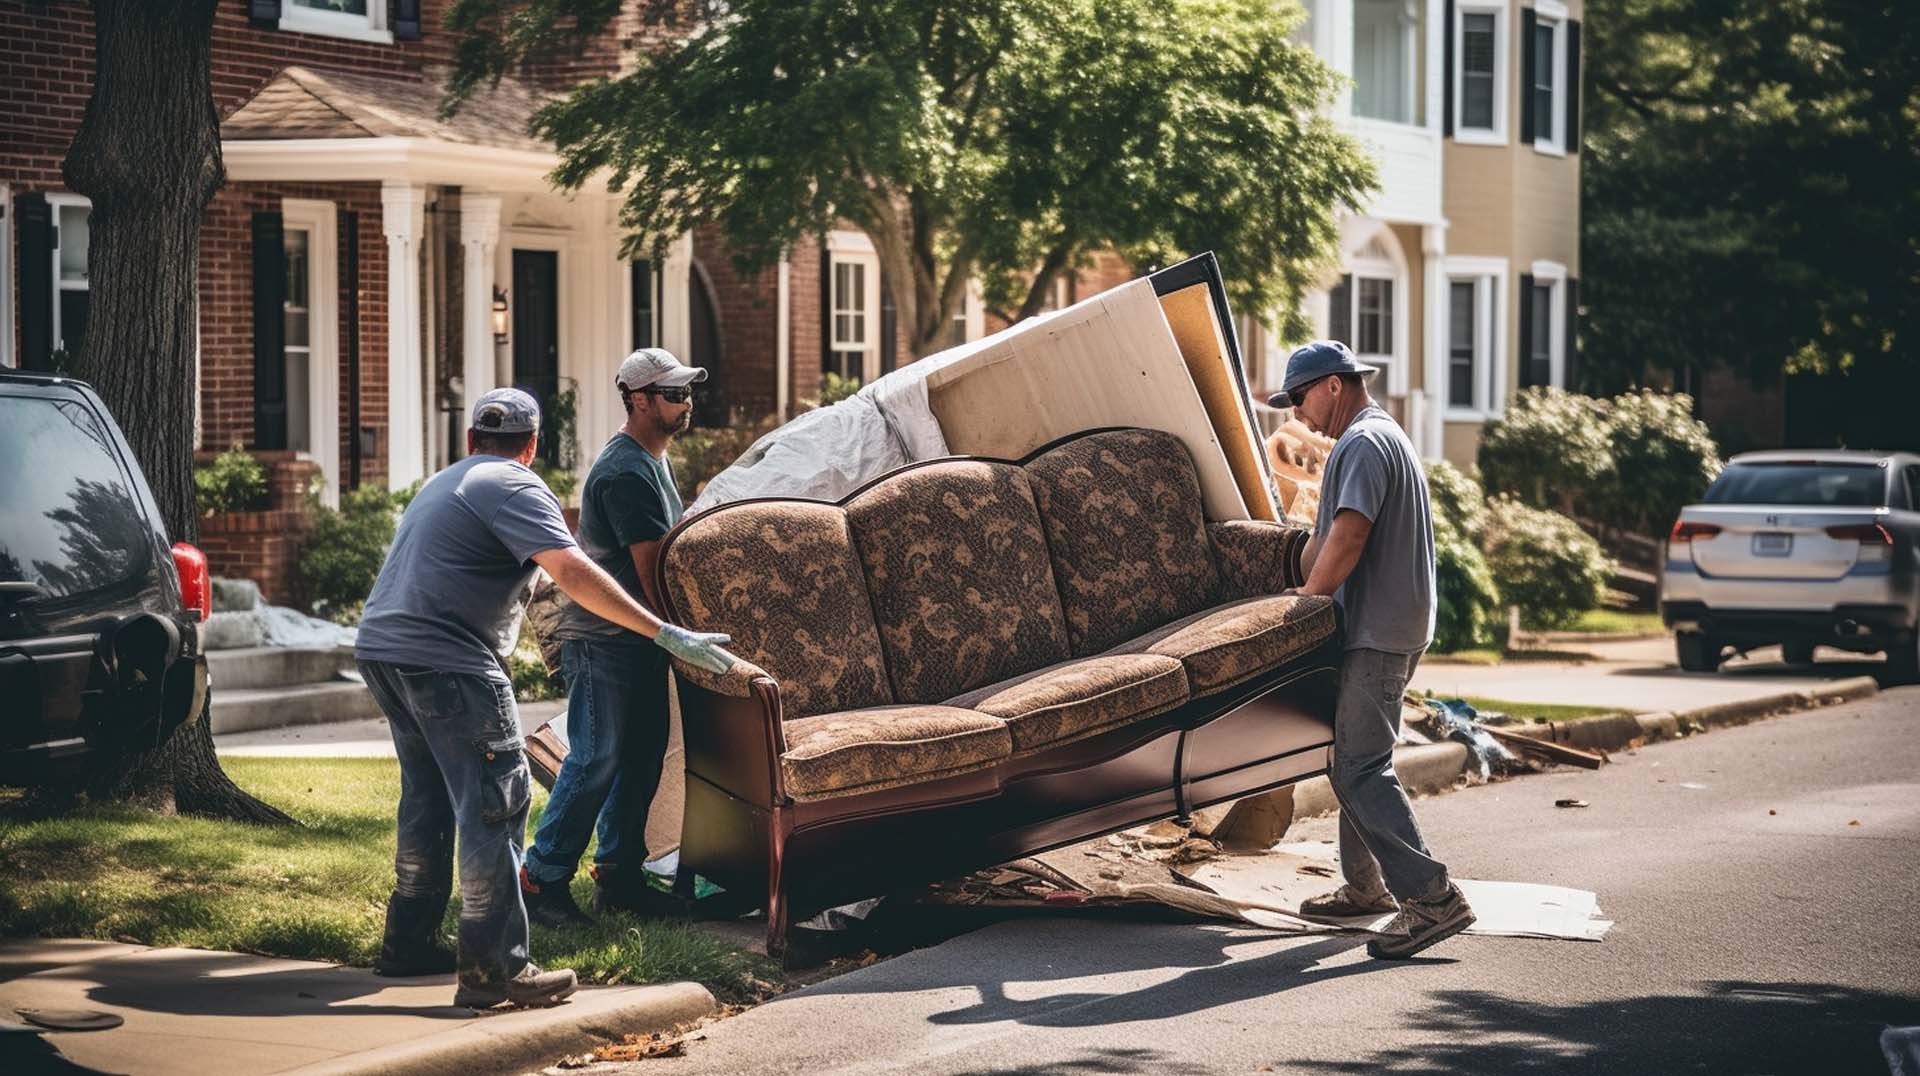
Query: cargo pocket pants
pixel 1380 844
pixel 463 771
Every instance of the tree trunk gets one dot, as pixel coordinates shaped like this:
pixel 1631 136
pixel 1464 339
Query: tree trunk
pixel 148 155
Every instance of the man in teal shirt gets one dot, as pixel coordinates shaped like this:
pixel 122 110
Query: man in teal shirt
pixel 617 721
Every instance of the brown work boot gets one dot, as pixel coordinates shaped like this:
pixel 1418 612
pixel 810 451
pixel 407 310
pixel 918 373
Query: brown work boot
pixel 1347 902
pixel 1422 923
pixel 531 989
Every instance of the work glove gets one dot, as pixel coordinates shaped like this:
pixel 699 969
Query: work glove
pixel 697 648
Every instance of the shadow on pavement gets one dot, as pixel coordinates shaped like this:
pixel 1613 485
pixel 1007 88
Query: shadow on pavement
pixel 1732 1027
pixel 1094 1064
pixel 219 984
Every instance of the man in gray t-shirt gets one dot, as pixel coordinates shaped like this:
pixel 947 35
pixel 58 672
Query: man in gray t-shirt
pixel 1372 551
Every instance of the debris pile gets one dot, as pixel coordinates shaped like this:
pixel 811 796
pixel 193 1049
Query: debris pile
pixel 1298 457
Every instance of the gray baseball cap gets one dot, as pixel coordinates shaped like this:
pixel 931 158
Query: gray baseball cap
pixel 506 411
pixel 1311 362
pixel 655 366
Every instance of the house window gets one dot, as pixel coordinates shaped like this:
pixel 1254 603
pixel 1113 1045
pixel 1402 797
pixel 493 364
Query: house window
pixel 1546 78
pixel 1373 316
pixel 1476 354
pixel 1544 293
pixel 73 297
pixel 1463 345
pixel 641 299
pixel 361 20
pixel 1387 60
pixel 1480 65
pixel 852 319
pixel 1059 294
pixel 296 310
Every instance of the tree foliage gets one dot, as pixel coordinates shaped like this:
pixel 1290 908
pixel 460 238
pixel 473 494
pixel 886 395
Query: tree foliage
pixel 1752 187
pixel 998 140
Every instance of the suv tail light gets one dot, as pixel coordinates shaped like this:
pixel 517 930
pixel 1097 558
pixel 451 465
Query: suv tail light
pixel 1876 543
pixel 196 582
pixel 1684 531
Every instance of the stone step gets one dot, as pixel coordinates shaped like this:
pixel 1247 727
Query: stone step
pixel 276 666
pixel 242 709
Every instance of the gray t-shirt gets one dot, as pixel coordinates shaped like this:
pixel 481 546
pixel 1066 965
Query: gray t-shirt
pixel 450 594
pixel 1388 600
pixel 629 497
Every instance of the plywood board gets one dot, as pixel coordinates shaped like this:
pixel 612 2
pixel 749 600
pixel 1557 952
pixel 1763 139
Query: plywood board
pixel 1203 345
pixel 1110 360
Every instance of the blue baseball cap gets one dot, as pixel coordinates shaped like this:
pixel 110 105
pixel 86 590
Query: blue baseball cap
pixel 506 411
pixel 1311 362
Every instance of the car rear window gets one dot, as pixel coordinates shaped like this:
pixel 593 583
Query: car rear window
pixel 1847 485
pixel 68 519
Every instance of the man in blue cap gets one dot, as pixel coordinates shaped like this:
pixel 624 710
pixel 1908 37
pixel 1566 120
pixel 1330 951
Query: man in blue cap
pixel 432 647
pixel 1372 551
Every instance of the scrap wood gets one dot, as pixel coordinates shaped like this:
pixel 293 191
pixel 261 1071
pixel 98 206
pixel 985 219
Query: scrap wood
pixel 1547 749
pixel 634 1048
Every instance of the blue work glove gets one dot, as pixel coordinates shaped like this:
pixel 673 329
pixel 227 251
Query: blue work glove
pixel 698 648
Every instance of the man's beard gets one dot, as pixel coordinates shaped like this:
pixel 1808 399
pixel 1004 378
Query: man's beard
pixel 674 426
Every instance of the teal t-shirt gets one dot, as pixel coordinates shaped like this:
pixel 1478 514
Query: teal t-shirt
pixel 629 497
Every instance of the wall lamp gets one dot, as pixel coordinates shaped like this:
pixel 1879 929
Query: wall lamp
pixel 499 315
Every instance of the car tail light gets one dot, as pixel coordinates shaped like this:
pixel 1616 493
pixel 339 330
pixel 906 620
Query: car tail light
pixel 196 582
pixel 1684 531
pixel 1876 543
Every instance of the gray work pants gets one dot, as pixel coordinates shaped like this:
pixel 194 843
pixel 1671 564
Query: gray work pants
pixel 1380 843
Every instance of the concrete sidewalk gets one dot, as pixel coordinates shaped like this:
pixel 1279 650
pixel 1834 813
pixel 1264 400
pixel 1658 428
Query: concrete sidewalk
pixel 190 1012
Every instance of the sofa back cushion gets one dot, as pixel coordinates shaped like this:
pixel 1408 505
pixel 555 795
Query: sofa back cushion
pixel 1123 517
pixel 781 577
pixel 956 563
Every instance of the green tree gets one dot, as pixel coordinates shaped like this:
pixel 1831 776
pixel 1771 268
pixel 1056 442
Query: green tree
pixel 1751 193
pixel 1003 140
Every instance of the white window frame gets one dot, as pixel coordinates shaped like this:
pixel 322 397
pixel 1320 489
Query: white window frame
pixel 320 220
pixel 1554 275
pixel 1489 278
pixel 371 26
pixel 848 247
pixel 1392 268
pixel 1553 15
pixel 972 315
pixel 6 274
pixel 1502 46
pixel 1415 86
pixel 55 201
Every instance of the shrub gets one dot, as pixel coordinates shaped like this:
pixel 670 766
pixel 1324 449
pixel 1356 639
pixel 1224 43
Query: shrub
pixel 835 387
pixel 561 480
pixel 1663 459
pixel 233 482
pixel 531 681
pixel 1550 451
pixel 1467 602
pixel 1458 499
pixel 1546 564
pixel 698 455
pixel 343 554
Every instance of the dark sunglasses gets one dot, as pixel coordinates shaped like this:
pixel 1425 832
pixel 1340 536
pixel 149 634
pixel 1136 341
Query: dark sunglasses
pixel 1295 396
pixel 674 394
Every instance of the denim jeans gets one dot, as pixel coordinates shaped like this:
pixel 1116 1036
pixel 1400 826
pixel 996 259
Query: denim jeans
pixel 617 727
pixel 1380 843
pixel 463 770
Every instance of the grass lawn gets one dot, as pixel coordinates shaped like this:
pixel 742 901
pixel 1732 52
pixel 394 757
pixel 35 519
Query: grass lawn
pixel 1617 622
pixel 316 892
pixel 1534 711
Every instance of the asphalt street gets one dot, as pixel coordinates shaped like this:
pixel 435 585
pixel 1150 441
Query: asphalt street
pixel 1763 881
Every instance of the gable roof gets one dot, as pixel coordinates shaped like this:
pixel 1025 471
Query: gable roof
pixel 300 103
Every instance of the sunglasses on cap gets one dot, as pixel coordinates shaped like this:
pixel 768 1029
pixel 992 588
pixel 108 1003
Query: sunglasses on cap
pixel 671 393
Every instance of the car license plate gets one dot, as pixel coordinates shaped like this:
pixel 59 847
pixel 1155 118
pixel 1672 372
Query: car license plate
pixel 1772 545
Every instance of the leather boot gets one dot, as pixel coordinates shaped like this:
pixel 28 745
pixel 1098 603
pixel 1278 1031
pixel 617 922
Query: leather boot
pixel 617 889
pixel 412 944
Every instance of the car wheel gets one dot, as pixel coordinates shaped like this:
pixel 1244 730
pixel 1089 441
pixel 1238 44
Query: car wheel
pixel 1696 652
pixel 1798 653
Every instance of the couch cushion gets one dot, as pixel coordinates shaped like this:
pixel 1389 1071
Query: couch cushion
pixel 1227 644
pixel 852 751
pixel 957 567
pixel 782 579
pixel 1081 697
pixel 1129 544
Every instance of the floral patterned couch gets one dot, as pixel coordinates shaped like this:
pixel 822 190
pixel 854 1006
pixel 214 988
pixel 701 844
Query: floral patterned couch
pixel 970 660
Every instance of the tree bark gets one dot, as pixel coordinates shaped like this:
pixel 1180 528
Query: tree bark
pixel 148 155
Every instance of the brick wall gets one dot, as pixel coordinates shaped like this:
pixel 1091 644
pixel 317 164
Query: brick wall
pixel 747 308
pixel 264 546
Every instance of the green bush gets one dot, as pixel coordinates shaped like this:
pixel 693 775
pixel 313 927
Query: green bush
pixel 531 681
pixel 233 482
pixel 1550 451
pixel 1663 459
pixel 1458 499
pixel 343 554
pixel 1467 601
pixel 698 455
pixel 1546 564
pixel 562 481
pixel 834 387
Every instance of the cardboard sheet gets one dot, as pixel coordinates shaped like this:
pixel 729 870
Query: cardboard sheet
pixel 1203 346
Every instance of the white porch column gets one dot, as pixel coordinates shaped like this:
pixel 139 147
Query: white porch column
pixel 676 301
pixel 479 238
pixel 1433 244
pixel 403 209
pixel 783 341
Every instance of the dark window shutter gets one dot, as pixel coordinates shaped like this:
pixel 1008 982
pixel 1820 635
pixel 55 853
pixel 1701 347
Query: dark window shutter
pixel 1451 84
pixel 826 312
pixel 1570 365
pixel 34 219
pixel 269 332
pixel 641 301
pixel 264 14
pixel 1526 74
pixel 1340 311
pixel 1525 349
pixel 1573 86
pixel 406 20
pixel 889 327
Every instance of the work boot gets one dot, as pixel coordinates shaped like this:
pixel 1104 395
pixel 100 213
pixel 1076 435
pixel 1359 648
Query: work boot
pixel 551 904
pixel 412 943
pixel 531 989
pixel 616 889
pixel 1347 902
pixel 1423 923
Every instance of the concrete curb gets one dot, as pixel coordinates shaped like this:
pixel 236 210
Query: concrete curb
pixel 530 1039
pixel 1429 768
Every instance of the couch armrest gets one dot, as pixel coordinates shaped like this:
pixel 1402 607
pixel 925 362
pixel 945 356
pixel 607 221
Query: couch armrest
pixel 736 681
pixel 1256 557
pixel 734 738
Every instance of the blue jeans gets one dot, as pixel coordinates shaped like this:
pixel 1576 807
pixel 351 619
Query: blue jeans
pixel 1380 843
pixel 463 770
pixel 616 743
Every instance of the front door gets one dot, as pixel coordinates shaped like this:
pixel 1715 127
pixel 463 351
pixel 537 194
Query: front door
pixel 536 332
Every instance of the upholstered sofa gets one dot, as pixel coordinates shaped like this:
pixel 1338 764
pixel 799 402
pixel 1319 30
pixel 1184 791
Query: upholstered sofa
pixel 971 660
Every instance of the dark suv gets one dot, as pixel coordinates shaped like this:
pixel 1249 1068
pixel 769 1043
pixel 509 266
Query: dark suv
pixel 99 648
